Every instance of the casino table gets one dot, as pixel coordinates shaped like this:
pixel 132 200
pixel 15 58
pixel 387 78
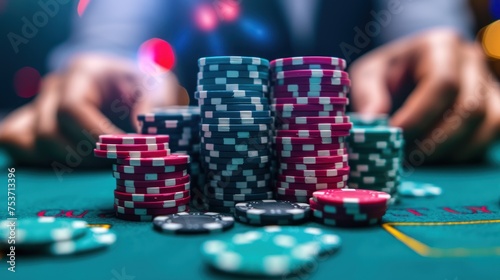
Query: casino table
pixel 452 236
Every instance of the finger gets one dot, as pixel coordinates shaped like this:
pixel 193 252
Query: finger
pixel 369 92
pixel 436 71
pixel 459 123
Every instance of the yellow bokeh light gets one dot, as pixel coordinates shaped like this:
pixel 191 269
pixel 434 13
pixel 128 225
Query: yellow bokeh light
pixel 491 40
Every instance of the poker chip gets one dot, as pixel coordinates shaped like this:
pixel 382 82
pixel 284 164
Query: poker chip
pixel 129 169
pixel 273 210
pixel 352 196
pixel 130 154
pixel 418 189
pixel 238 60
pixel 303 189
pixel 311 87
pixel 150 176
pixel 240 134
pixel 42 230
pixel 236 114
pixel 150 211
pixel 227 94
pixel 236 141
pixel 132 147
pixel 291 107
pixel 250 178
pixel 269 251
pixel 361 120
pixel 240 172
pixel 311 73
pixel 236 107
pixel 314 120
pixel 193 223
pixel 95 238
pixel 212 191
pixel 311 66
pixel 154 190
pixel 225 80
pixel 239 154
pixel 233 74
pixel 316 153
pixel 254 87
pixel 174 159
pixel 337 112
pixel 153 183
pixel 135 218
pixel 319 126
pixel 239 121
pixel 295 94
pixel 133 139
pixel 233 167
pixel 295 198
pixel 235 148
pixel 314 143
pixel 152 204
pixel 313 81
pixel 312 133
pixel 300 166
pixel 234 127
pixel 312 180
pixel 241 184
pixel 315 160
pixel 316 173
pixel 150 197
pixel 308 60
pixel 237 161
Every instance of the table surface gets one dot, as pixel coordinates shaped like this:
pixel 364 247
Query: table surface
pixel 453 236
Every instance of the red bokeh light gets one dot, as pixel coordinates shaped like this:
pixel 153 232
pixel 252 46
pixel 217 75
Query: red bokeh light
pixel 228 10
pixel 82 6
pixel 27 82
pixel 156 56
pixel 205 17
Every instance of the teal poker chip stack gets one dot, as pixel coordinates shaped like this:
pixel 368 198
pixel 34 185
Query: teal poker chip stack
pixel 181 123
pixel 235 129
pixel 54 236
pixel 308 100
pixel 376 154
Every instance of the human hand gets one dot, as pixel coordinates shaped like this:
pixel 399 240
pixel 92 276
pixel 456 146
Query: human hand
pixel 96 95
pixel 453 112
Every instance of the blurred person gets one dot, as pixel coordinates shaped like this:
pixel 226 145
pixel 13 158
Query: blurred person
pixel 414 59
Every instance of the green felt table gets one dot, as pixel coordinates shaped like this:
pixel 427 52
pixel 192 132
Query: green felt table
pixel 453 236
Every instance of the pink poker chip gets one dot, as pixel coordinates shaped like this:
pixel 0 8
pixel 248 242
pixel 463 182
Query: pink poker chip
pixel 352 197
pixel 133 139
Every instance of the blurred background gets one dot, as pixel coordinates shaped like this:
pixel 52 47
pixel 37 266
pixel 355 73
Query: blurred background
pixel 23 61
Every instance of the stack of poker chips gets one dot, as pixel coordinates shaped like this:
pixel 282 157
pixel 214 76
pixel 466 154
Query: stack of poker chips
pixel 309 96
pixel 235 130
pixel 149 180
pixel 375 157
pixel 181 124
pixel 348 207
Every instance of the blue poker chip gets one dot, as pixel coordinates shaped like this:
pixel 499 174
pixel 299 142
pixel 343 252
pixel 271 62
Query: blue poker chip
pixel 231 148
pixel 233 100
pixel 236 114
pixel 234 74
pixel 224 199
pixel 418 189
pixel 224 81
pixel 171 113
pixel 233 67
pixel 227 94
pixel 238 60
pixel 232 167
pixel 268 120
pixel 169 131
pixel 210 191
pixel 235 141
pixel 249 154
pixel 262 88
pixel 237 161
pixel 234 127
pixel 240 134
pixel 171 123
pixel 235 107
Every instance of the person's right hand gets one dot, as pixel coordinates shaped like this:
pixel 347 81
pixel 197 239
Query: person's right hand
pixel 96 95
pixel 453 113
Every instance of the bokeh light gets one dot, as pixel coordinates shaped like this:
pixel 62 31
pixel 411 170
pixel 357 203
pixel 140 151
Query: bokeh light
pixel 228 10
pixel 82 6
pixel 27 82
pixel 254 30
pixel 156 56
pixel 205 17
pixel 491 40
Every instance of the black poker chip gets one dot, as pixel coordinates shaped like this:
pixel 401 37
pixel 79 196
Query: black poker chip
pixel 191 223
